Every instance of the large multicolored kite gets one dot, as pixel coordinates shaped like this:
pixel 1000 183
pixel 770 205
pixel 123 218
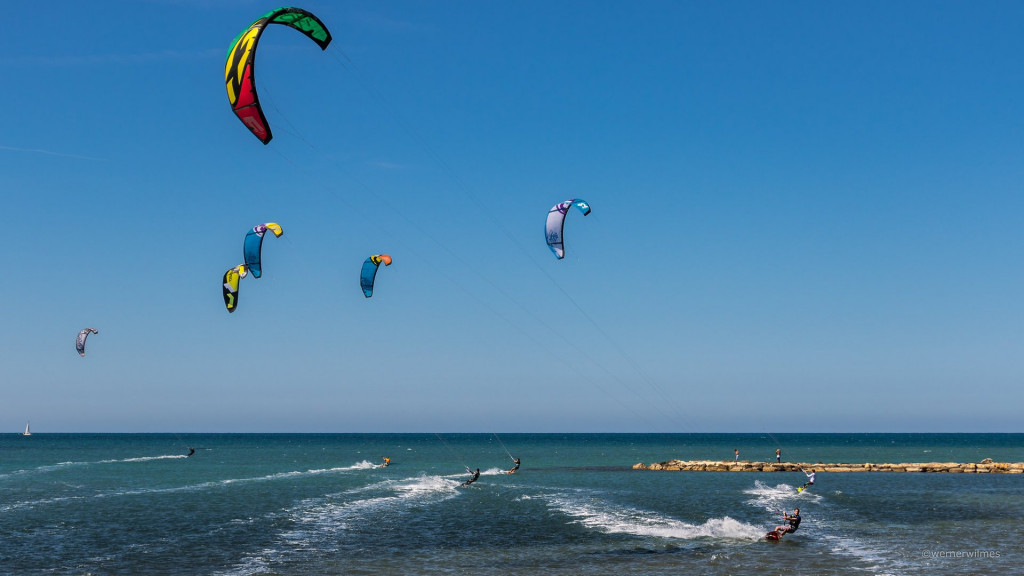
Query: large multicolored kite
pixel 252 249
pixel 239 74
pixel 369 272
pixel 555 225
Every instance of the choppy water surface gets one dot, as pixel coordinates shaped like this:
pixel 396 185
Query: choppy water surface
pixel 320 504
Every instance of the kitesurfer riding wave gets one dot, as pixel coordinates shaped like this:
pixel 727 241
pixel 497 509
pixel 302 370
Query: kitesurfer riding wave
pixel 472 478
pixel 810 480
pixel 794 523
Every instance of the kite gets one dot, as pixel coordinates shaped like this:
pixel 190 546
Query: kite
pixel 369 272
pixel 239 75
pixel 80 341
pixel 555 225
pixel 230 286
pixel 252 250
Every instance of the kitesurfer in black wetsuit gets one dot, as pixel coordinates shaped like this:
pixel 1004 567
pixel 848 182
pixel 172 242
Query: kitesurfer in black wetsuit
pixel 514 468
pixel 794 523
pixel 472 478
pixel 191 451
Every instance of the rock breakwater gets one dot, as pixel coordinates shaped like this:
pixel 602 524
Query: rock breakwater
pixel 986 466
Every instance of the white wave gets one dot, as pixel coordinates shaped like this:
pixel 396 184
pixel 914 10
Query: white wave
pixel 73 464
pixel 875 559
pixel 489 472
pixel 371 487
pixel 778 491
pixel 775 498
pixel 317 521
pixel 146 458
pixel 613 519
pixel 256 563
pixel 422 485
pixel 34 503
pixel 398 493
pixel 781 497
pixel 362 465
pixel 410 486
pixel 187 487
pixel 54 467
pixel 249 480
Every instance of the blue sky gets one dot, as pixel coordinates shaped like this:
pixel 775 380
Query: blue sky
pixel 806 217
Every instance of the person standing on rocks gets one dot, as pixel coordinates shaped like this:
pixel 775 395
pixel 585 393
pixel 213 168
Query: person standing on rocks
pixel 737 452
pixel 778 455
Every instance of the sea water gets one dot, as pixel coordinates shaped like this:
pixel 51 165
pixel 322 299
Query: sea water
pixel 308 504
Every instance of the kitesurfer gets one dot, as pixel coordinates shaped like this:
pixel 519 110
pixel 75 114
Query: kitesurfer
pixel 794 523
pixel 386 462
pixel 810 480
pixel 514 468
pixel 472 478
pixel 191 451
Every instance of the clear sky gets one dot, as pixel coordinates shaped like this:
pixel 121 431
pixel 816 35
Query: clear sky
pixel 807 216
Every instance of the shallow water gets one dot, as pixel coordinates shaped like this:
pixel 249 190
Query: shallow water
pixel 319 504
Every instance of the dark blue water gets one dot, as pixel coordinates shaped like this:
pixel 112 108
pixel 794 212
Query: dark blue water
pixel 319 504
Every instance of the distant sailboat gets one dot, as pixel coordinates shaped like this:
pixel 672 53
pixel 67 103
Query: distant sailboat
pixel 27 432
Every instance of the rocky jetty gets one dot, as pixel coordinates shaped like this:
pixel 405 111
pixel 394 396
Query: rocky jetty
pixel 986 466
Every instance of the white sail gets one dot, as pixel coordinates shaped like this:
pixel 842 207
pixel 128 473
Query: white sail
pixel 27 432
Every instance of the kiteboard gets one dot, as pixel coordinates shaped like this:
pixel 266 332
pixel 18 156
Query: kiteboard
pixel 772 536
